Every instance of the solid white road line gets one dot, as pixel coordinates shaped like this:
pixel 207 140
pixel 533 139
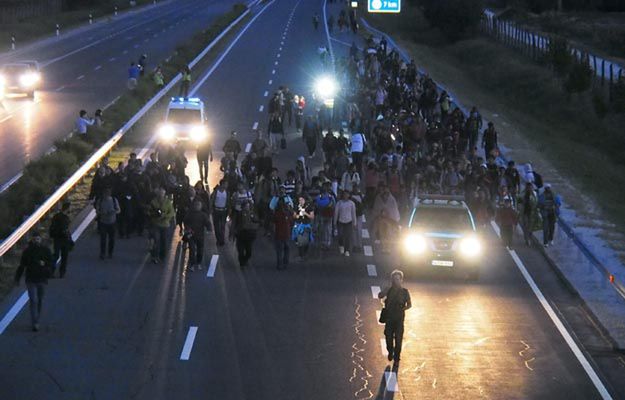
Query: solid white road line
pixel 391 382
pixel 112 102
pixel 80 77
pixel 97 68
pixel 248 147
pixel 375 290
pixel 365 234
pixel 368 251
pixel 261 108
pixel 383 347
pixel 371 270
pixel 188 343
pixel 83 225
pixel 229 48
pixel 10 316
pixel 255 126
pixel 603 391
pixel 11 182
pixel 213 266
pixel 59 88
pixel 8 117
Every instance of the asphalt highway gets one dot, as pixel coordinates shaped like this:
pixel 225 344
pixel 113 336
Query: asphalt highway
pixel 88 70
pixel 128 329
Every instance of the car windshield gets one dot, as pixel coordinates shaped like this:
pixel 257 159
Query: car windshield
pixel 13 69
pixel 442 219
pixel 182 116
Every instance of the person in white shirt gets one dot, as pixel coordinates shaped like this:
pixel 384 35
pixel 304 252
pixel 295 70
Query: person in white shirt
pixel 345 222
pixel 358 149
pixel 350 179
pixel 83 122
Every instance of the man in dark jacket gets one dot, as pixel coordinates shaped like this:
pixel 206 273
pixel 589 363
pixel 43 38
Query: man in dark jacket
pixel 397 301
pixel 489 140
pixel 196 221
pixel 36 263
pixel 507 219
pixel 232 145
pixel 61 237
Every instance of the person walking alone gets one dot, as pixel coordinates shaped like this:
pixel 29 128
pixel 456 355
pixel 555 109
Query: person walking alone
pixel 196 222
pixel 36 265
pixel 107 209
pixel 396 302
pixel 549 205
pixel 345 222
pixel 61 238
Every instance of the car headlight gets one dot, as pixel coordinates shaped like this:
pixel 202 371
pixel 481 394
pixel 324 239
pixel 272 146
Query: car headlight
pixel 326 87
pixel 29 79
pixel 415 244
pixel 198 134
pixel 167 132
pixel 470 247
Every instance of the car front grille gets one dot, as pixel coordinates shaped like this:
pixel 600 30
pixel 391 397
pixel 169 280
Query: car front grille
pixel 443 244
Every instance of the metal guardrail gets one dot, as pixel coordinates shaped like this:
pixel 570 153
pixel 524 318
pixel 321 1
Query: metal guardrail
pixel 36 216
pixel 618 286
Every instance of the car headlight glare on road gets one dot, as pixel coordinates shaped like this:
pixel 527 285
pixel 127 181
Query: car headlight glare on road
pixel 326 87
pixel 29 79
pixel 167 132
pixel 198 134
pixel 470 247
pixel 415 244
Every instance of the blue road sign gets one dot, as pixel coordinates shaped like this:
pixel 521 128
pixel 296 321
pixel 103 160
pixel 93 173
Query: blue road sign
pixel 384 6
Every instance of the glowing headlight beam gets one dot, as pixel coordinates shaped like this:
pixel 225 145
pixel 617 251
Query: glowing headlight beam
pixel 415 244
pixel 326 87
pixel 470 247
pixel 166 132
pixel 198 134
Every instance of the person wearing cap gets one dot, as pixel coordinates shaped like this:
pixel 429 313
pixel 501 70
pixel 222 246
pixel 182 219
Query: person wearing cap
pixel 36 265
pixel 61 237
pixel 549 206
pixel 396 302
pixel 232 145
pixel 507 219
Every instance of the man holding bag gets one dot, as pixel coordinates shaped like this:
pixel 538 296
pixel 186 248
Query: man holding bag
pixel 397 301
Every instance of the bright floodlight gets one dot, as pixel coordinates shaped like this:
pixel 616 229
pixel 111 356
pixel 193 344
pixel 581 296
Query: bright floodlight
pixel 326 87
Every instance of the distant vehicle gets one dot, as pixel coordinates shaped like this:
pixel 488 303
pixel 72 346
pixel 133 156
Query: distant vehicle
pixel 441 234
pixel 184 121
pixel 21 77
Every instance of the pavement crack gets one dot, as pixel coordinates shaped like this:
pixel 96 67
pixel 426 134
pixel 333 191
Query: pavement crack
pixel 52 378
pixel 359 373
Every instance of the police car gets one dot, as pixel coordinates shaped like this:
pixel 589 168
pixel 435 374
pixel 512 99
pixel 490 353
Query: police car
pixel 21 77
pixel 184 121
pixel 441 235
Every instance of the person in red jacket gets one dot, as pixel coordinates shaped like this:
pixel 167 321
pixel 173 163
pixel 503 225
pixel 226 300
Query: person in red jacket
pixel 283 224
pixel 507 219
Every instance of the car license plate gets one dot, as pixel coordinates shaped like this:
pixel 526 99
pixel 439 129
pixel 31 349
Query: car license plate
pixel 442 263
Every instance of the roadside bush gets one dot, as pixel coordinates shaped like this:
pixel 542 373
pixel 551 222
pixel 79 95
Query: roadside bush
pixel 618 96
pixel 559 56
pixel 455 18
pixel 579 78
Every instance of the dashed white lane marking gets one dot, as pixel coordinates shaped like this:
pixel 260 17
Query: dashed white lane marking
pixel 125 52
pixel 80 77
pixel 377 317
pixel 278 56
pixel 371 270
pixel 112 102
pixel 188 343
pixel 97 68
pixel 248 147
pixel 112 59
pixel 603 392
pixel 212 266
pixel 8 117
pixel 280 49
pixel 10 316
pixel 275 63
pixel 273 72
pixel 368 251
pixel 270 81
pixel 375 291
pixel 266 93
pixel 261 108
pixel 391 382
pixel 364 219
pixel 255 126
pixel 60 88
pixel 365 234
pixel 282 43
pixel 383 347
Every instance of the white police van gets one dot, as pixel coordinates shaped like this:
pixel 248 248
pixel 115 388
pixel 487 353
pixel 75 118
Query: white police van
pixel 185 121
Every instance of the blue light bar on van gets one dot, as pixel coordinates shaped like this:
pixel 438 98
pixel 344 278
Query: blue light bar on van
pixel 187 100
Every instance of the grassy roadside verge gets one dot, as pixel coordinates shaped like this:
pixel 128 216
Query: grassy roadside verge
pixel 29 29
pixel 41 177
pixel 541 125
